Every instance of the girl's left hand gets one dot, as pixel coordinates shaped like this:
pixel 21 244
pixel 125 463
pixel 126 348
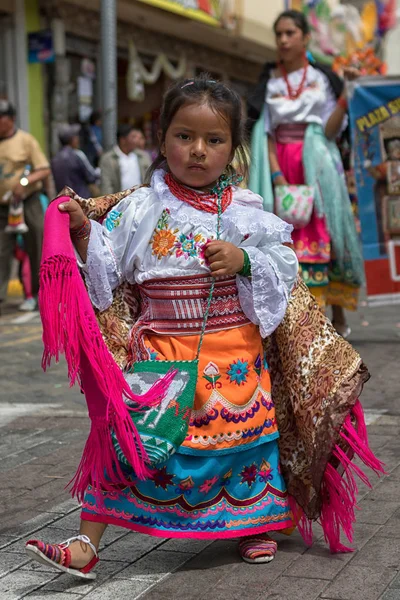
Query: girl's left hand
pixel 224 258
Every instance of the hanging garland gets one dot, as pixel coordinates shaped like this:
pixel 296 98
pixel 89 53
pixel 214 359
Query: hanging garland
pixel 138 75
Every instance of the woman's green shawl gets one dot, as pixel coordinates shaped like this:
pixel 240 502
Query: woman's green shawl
pixel 323 169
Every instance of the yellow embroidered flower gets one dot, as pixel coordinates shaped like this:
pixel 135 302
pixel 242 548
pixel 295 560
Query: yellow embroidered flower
pixel 162 243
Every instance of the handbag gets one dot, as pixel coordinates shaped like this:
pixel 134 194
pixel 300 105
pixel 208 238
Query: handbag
pixel 163 428
pixel 16 220
pixel 294 204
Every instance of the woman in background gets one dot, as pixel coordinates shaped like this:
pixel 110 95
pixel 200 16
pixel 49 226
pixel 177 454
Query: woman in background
pixel 301 108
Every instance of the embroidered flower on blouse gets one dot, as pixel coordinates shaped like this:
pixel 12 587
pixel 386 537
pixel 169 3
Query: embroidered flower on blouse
pixel 189 245
pixel 203 248
pixel 238 371
pixel 113 219
pixel 164 238
pixel 163 220
pixel 162 242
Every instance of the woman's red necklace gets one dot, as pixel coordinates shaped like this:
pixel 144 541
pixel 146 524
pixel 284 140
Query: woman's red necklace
pixel 206 202
pixel 294 94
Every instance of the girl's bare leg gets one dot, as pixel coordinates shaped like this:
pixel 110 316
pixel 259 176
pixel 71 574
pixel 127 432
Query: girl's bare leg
pixel 81 553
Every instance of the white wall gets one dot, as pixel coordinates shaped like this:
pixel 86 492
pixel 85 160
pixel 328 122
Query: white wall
pixel 392 47
pixel 257 19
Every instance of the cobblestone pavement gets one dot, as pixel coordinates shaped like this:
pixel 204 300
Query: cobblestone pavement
pixel 43 426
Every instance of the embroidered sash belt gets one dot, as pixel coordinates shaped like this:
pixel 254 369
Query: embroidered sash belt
pixel 176 306
pixel 290 132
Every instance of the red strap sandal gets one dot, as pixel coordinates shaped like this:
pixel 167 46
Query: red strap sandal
pixel 58 556
pixel 258 549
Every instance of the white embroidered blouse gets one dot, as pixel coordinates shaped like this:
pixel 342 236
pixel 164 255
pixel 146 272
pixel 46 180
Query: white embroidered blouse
pixel 153 235
pixel 314 105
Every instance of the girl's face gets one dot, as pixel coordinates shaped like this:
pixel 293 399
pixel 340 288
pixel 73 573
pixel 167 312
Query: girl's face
pixel 290 40
pixel 198 146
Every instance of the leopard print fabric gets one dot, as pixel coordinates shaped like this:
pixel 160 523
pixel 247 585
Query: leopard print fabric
pixel 97 208
pixel 316 379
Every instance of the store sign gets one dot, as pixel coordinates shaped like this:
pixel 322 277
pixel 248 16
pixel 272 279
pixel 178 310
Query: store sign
pixel 40 47
pixel 207 11
pixel 375 125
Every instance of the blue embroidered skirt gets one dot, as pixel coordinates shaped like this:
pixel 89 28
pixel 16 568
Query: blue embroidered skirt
pixel 229 495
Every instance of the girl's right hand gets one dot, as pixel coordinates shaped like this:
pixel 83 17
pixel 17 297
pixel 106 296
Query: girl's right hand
pixel 76 214
pixel 280 180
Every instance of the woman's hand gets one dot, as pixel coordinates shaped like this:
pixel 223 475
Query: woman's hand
pixel 280 180
pixel 351 73
pixel 224 258
pixel 76 214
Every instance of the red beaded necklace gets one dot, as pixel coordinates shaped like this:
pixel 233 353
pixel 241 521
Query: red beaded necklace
pixel 294 94
pixel 206 202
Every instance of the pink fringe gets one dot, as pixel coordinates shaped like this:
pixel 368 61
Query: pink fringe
pixel 70 327
pixel 339 492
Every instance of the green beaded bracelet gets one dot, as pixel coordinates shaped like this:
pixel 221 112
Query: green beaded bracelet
pixel 245 271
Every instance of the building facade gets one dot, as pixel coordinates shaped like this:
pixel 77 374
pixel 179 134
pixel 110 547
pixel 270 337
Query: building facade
pixel 231 45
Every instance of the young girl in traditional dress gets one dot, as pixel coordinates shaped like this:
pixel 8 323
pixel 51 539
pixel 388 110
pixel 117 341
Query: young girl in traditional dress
pixel 192 229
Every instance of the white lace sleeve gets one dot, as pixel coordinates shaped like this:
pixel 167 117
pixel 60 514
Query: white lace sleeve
pixel 265 296
pixel 105 266
pixel 101 270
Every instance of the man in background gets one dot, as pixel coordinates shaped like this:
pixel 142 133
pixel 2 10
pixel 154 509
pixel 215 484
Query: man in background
pixel 125 165
pixel 70 166
pixel 23 168
pixel 92 138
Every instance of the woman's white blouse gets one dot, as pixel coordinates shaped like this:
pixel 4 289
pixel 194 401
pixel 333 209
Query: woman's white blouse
pixel 315 105
pixel 153 235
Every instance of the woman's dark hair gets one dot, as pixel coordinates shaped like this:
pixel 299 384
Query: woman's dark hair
pixel 221 99
pixel 297 17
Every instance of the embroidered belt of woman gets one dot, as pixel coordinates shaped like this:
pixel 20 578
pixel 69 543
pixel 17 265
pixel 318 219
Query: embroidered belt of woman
pixel 290 132
pixel 176 306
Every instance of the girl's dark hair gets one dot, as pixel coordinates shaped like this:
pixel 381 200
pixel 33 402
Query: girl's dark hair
pixel 221 99
pixel 297 17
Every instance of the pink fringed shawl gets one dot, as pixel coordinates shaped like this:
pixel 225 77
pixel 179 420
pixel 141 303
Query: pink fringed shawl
pixel 70 327
pixel 317 378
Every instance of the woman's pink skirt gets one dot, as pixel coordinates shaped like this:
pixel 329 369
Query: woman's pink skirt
pixel 312 242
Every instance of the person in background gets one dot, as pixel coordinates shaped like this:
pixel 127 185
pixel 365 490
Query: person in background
pixel 140 139
pixel 70 166
pixel 20 254
pixel 300 108
pixel 126 164
pixel 20 152
pixel 141 143
pixel 92 138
